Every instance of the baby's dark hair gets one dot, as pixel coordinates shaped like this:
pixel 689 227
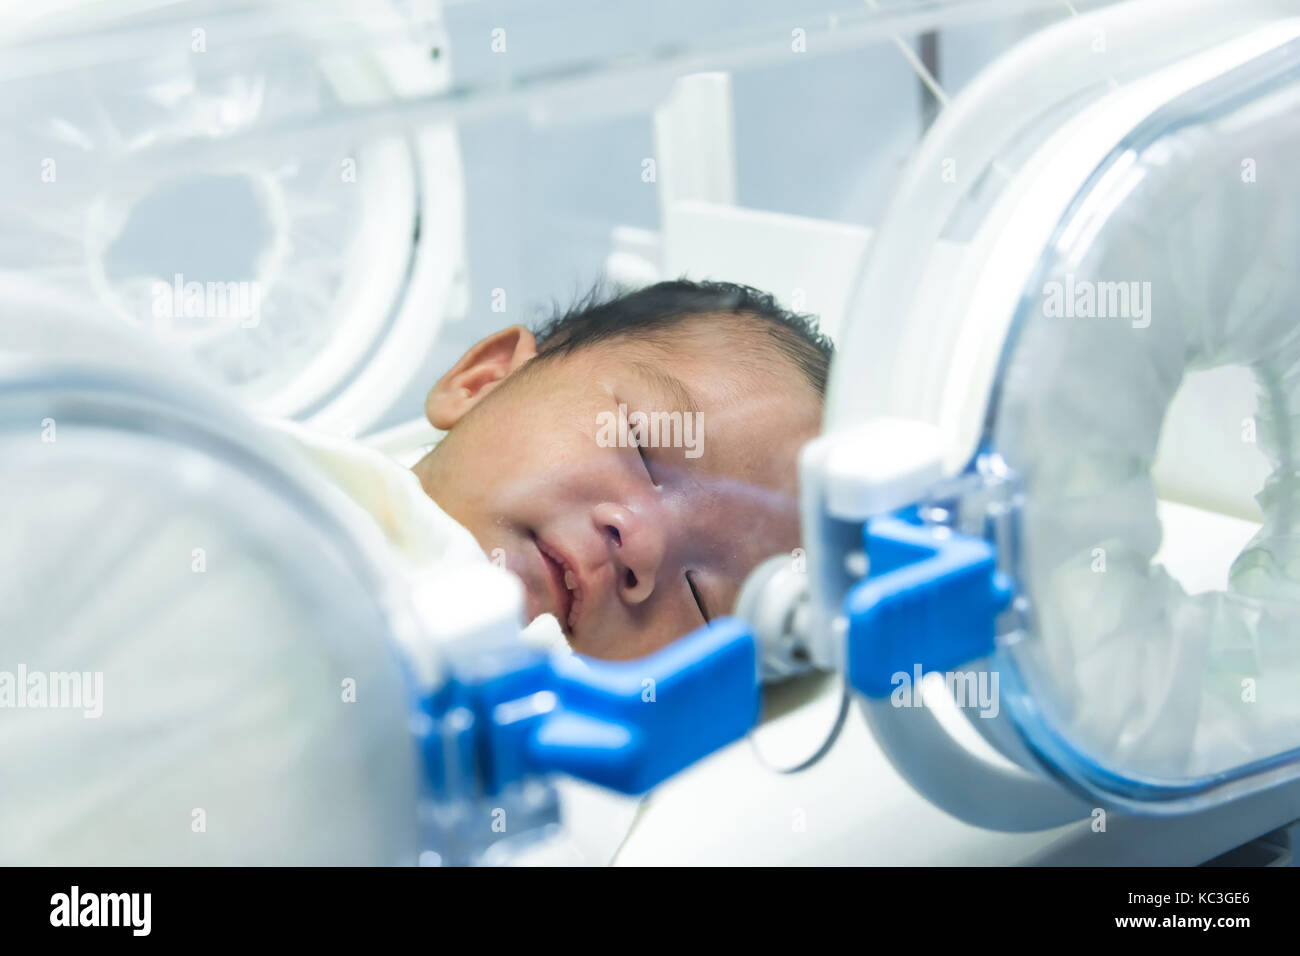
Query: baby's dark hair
pixel 654 309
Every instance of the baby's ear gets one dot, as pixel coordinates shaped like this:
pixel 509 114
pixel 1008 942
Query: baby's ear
pixel 479 371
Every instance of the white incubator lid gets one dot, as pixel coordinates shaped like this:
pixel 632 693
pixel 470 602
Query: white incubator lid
pixel 1146 243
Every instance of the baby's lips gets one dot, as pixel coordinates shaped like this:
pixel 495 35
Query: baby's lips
pixel 556 571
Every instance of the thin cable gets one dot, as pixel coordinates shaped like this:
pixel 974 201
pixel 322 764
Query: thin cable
pixel 927 78
pixel 929 82
pixel 821 751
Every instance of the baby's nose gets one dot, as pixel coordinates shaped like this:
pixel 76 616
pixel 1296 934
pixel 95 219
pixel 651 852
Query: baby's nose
pixel 636 548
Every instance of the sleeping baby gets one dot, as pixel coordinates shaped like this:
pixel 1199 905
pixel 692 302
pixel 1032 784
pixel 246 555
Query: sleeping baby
pixel 631 461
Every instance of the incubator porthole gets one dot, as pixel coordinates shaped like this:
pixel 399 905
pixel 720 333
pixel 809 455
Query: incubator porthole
pixel 190 258
pixel 1150 442
pixel 308 274
pixel 154 545
pixel 260 277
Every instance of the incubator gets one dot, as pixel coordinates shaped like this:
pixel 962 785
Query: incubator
pixel 1046 601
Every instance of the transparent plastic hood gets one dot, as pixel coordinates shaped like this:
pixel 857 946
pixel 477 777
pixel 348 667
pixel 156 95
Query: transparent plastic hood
pixel 279 189
pixel 197 664
pixel 1178 257
pixel 1093 321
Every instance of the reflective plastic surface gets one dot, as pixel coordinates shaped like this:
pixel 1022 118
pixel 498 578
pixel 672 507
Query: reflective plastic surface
pixel 1177 257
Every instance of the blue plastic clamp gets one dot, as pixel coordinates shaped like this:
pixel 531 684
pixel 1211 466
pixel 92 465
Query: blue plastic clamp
pixel 625 725
pixel 930 600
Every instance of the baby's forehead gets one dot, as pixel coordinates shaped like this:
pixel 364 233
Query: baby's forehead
pixel 712 360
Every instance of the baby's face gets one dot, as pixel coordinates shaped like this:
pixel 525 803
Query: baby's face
pixel 616 541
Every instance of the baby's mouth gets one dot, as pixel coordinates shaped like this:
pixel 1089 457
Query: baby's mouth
pixel 565 586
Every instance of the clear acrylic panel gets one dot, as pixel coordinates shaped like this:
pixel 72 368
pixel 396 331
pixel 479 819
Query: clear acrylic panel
pixel 181 616
pixel 1154 668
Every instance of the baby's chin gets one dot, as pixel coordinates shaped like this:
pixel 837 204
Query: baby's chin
pixel 544 634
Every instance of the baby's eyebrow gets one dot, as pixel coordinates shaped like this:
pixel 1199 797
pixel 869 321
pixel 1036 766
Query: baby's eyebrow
pixel 671 384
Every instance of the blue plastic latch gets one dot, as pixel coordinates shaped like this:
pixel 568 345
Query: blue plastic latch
pixel 930 600
pixel 626 725
pixel 629 725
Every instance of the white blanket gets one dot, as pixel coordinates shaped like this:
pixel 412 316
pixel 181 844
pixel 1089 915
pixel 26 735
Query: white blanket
pixel 427 537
